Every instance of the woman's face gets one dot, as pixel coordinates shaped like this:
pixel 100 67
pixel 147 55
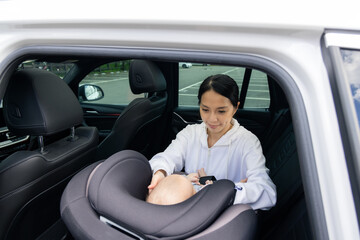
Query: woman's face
pixel 217 112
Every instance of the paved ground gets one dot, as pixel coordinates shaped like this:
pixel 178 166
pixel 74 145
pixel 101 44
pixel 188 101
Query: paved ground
pixel 116 85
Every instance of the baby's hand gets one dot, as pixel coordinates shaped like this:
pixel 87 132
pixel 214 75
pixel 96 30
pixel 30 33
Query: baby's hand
pixel 208 182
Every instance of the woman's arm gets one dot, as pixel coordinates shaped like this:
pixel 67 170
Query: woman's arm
pixel 259 191
pixel 172 159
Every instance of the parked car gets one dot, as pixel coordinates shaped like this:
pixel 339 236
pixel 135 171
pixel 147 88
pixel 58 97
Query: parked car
pixel 185 64
pixel 297 66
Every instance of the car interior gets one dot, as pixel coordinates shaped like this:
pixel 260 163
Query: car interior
pixel 39 104
pixel 139 120
pixel 98 188
pixel 52 130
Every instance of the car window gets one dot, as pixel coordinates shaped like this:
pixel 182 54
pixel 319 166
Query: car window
pixel 258 95
pixel 351 62
pixel 60 69
pixel 347 70
pixel 191 76
pixel 113 80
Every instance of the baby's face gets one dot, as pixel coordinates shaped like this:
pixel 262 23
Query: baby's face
pixel 171 190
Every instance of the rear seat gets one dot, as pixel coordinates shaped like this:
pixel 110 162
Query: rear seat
pixel 288 219
pixel 281 119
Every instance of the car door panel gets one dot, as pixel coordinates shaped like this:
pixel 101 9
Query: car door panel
pixel 101 116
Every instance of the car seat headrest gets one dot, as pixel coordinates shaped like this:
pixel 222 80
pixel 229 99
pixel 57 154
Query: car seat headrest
pixel 117 192
pixel 39 103
pixel 145 77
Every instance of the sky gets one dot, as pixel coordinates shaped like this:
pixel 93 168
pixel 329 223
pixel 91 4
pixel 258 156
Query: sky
pixel 351 60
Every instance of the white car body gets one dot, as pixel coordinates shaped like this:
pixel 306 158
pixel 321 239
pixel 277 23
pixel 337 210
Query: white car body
pixel 286 34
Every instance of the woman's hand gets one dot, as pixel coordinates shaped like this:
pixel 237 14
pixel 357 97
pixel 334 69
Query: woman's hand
pixel 157 177
pixel 202 172
pixel 244 180
pixel 193 177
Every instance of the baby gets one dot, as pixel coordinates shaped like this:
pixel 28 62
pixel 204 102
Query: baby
pixel 171 190
pixel 176 188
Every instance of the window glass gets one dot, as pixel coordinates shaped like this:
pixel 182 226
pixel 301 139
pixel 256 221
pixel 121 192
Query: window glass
pixel 351 61
pixel 191 75
pixel 258 95
pixel 113 79
pixel 60 69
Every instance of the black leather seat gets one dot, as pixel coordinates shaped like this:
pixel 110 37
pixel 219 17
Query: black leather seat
pixel 109 193
pixel 141 122
pixel 38 103
pixel 288 219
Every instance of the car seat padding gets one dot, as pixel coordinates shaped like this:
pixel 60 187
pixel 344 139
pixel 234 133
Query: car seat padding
pixel 118 188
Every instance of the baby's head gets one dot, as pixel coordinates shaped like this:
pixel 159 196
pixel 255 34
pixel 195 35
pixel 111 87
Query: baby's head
pixel 171 190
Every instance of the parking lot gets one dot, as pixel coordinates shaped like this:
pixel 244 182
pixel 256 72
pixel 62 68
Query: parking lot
pixel 191 78
pixel 117 90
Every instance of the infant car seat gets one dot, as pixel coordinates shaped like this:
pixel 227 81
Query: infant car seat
pixel 107 201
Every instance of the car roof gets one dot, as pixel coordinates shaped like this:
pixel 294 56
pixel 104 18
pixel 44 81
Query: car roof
pixel 307 14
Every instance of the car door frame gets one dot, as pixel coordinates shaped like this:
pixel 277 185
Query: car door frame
pixel 332 43
pixel 302 130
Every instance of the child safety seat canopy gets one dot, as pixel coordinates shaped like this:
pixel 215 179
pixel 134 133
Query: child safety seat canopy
pixel 106 200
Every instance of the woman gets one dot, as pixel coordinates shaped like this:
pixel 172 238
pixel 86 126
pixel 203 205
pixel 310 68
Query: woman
pixel 221 146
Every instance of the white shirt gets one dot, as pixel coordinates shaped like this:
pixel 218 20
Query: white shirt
pixel 235 156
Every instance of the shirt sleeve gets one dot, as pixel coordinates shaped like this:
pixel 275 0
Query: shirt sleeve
pixel 173 158
pixel 259 191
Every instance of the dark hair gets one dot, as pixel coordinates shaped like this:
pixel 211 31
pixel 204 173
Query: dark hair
pixel 221 84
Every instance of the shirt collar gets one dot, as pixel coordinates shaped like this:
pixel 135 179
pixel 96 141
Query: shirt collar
pixel 224 140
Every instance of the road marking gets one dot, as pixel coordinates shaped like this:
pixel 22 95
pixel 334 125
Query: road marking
pixel 254 98
pixel 249 90
pixel 198 83
pixel 251 98
pixel 231 70
pixel 188 94
pixel 258 85
pixel 264 91
pixel 105 81
pixel 192 85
